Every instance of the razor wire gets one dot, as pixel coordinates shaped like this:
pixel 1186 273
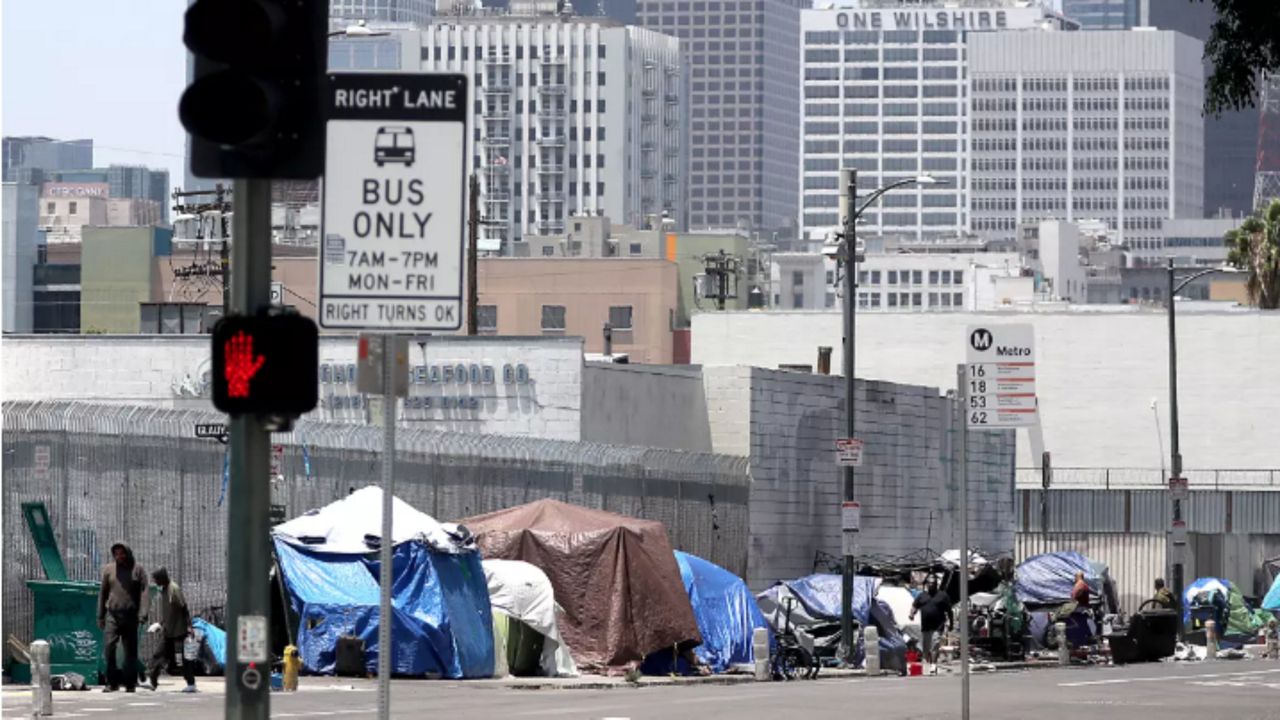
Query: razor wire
pixel 112 472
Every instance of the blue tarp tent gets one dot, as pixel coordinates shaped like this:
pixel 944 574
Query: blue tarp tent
pixel 1272 600
pixel 727 616
pixel 1047 579
pixel 820 595
pixel 440 601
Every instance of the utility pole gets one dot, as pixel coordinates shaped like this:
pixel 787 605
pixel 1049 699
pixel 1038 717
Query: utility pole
pixel 721 271
pixel 249 487
pixel 473 249
pixel 224 258
pixel 849 216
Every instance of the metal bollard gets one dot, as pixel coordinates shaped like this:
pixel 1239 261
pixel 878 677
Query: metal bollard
pixel 1211 640
pixel 41 683
pixel 1064 648
pixel 871 648
pixel 760 647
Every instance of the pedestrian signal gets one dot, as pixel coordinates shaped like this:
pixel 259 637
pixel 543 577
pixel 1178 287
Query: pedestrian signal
pixel 265 365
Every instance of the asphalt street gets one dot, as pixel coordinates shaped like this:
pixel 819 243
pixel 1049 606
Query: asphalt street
pixel 1230 691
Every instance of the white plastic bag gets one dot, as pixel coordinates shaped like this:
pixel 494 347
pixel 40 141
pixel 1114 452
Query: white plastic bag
pixel 191 648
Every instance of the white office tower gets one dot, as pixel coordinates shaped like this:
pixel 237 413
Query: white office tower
pixel 571 116
pixel 1087 125
pixel 885 92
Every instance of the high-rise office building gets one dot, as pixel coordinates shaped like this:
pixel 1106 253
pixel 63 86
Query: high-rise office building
pixel 28 153
pixel 1107 14
pixel 743 59
pixel 418 12
pixel 571 116
pixel 1087 125
pixel 1230 139
pixel 885 92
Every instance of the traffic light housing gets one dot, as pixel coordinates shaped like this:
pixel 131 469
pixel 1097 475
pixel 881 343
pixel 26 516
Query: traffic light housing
pixel 265 365
pixel 255 105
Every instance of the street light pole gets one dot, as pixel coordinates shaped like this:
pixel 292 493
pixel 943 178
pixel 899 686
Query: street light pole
pixel 847 254
pixel 848 539
pixel 1175 450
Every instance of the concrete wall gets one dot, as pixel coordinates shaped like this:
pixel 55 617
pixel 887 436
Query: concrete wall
pixel 787 422
pixel 1097 373
pixel 543 400
pixel 645 405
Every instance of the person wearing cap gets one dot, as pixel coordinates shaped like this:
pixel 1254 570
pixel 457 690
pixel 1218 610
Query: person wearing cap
pixel 174 626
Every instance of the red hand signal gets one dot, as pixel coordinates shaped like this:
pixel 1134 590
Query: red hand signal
pixel 241 365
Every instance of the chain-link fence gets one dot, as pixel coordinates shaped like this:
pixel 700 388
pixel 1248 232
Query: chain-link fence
pixel 109 472
pixel 1148 478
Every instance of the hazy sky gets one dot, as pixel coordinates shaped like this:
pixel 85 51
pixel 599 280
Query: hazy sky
pixel 110 70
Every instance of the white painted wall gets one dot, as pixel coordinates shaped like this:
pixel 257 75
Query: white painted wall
pixel 1097 374
pixel 173 371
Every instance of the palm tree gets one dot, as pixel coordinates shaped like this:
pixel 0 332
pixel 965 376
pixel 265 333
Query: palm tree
pixel 1254 247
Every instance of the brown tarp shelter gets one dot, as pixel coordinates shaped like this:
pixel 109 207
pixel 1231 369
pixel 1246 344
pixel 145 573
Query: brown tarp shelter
pixel 614 576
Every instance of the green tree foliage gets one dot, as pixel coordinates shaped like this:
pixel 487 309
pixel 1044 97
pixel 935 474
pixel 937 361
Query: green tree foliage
pixel 1254 247
pixel 1244 42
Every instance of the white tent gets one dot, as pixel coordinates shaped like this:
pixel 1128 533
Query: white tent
pixel 353 526
pixel 523 592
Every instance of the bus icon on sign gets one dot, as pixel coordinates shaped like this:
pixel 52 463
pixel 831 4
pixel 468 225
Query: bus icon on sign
pixel 393 144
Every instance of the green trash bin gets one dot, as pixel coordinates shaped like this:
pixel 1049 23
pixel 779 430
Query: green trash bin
pixel 66 617
pixel 66 611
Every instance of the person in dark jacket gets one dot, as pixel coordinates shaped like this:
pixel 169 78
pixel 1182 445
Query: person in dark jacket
pixel 120 603
pixel 174 625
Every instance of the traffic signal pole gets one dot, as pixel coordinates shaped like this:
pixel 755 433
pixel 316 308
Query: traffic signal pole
pixel 249 489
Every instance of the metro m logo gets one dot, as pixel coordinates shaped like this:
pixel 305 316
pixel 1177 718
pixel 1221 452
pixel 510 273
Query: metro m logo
pixel 980 339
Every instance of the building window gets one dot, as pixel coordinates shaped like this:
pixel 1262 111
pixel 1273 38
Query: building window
pixel 957 299
pixel 71 208
pixel 552 318
pixel 487 319
pixel 797 278
pixel 548 250
pixel 957 277
pixel 797 301
pixel 50 208
pixel 875 277
pixel 893 277
pixel 635 248
pixel 620 317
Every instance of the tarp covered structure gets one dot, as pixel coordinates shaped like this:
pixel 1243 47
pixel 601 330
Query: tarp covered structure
pixel 1242 621
pixel 441 619
pixel 615 577
pixel 1272 599
pixel 819 597
pixel 524 592
pixel 727 617
pixel 1047 579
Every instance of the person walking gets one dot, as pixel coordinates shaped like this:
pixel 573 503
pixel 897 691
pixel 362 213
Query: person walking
pixel 120 599
pixel 934 606
pixel 174 625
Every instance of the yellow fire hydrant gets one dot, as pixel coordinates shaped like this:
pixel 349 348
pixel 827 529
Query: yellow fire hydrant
pixel 292 665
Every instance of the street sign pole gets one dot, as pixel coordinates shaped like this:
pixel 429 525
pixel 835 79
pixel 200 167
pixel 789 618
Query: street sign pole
pixel 385 653
pixel 249 487
pixel 995 390
pixel 962 472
